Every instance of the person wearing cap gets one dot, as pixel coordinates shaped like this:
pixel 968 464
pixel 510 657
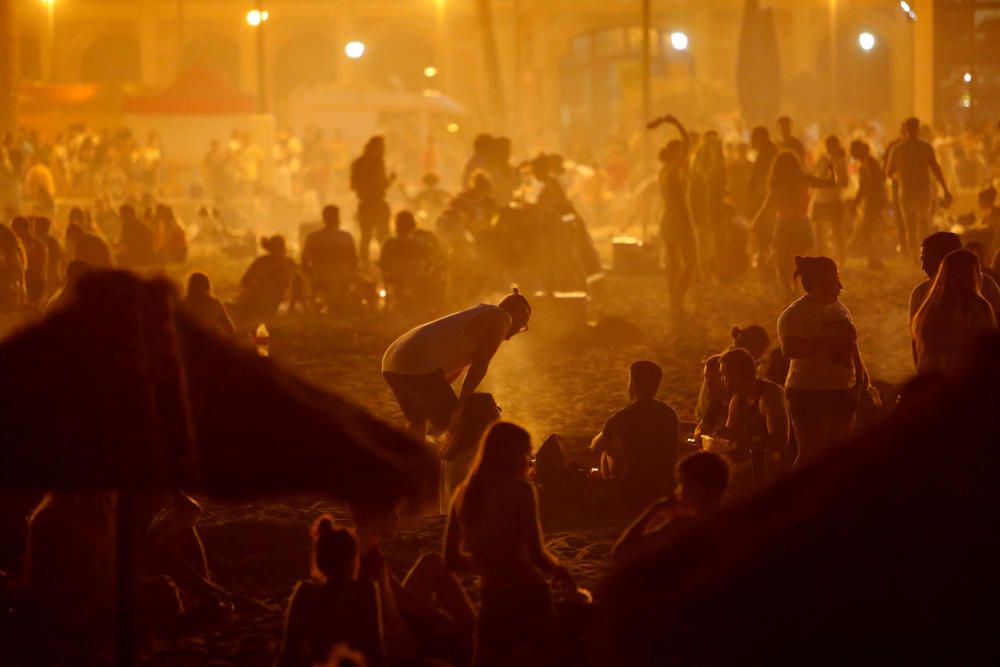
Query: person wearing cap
pixel 421 365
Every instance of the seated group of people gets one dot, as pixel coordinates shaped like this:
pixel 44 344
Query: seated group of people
pixel 353 604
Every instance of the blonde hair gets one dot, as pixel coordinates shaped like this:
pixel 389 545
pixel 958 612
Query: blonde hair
pixel 957 286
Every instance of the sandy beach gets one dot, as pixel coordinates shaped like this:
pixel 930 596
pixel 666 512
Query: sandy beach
pixel 568 385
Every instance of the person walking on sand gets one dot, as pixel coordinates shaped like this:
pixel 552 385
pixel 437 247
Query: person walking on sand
pixel 912 163
pixel 421 365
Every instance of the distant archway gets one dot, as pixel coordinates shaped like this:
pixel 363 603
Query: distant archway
pixel 302 61
pixel 218 55
pixel 113 58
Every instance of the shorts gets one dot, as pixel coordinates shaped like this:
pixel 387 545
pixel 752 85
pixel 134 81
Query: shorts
pixel 374 214
pixel 916 203
pixel 821 405
pixel 424 398
pixel 792 237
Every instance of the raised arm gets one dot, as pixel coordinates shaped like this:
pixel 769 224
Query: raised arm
pixel 685 139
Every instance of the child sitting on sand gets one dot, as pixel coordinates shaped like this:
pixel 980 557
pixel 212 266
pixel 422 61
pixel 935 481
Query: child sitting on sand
pixel 333 608
pixel 639 444
pixel 702 480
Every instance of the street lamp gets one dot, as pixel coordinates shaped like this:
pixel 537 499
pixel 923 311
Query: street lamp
pixel 679 41
pixel 50 42
pixel 354 50
pixel 867 41
pixel 256 18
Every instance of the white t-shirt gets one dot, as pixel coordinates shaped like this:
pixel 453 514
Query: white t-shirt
pixel 807 319
pixel 439 345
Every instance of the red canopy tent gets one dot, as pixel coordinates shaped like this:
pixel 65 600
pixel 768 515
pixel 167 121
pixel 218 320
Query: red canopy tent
pixel 196 90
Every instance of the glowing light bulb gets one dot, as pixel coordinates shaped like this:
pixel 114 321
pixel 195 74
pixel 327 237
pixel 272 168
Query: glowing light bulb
pixel 679 41
pixel 354 50
pixel 453 128
pixel 867 41
pixel 430 71
pixel 968 77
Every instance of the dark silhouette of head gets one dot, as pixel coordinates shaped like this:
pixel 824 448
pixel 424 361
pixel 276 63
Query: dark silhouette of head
pixel 198 285
pixel 672 153
pixel 430 181
pixel 644 379
pixel 786 171
pixel 43 226
pixel 739 370
pixel 759 138
pixel 406 224
pixel 20 226
pixel 785 126
pixel 375 147
pixel 911 128
pixel 702 480
pixel 819 277
pixel 753 339
pixel 76 216
pixel 833 147
pixel 334 551
pixel 517 306
pixel 977 249
pixel 935 248
pixel 482 145
pixel 541 167
pixel 481 183
pixel 274 245
pixel 331 217
pixel 504 455
pixel 859 149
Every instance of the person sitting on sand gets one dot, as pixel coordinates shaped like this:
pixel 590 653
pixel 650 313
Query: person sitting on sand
pixel 204 307
pixel 330 260
pixel 61 297
pixel 335 607
pixel 713 401
pixel 493 528
pixel 268 282
pixel 757 418
pixel 702 480
pixel 639 445
pixel 87 247
pixel 474 415
pixel 420 365
pixel 405 261
pixel 933 250
pixel 414 628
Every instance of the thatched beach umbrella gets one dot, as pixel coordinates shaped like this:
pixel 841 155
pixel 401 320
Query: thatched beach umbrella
pixel 758 65
pixel 121 391
pixel 888 547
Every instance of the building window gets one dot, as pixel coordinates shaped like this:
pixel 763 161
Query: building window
pixel 967 60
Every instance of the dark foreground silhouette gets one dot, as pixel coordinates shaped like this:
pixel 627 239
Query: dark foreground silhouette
pixel 888 546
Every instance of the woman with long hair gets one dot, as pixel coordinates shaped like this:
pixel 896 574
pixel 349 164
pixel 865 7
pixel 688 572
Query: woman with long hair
pixel 475 413
pixel 788 196
pixel 826 372
pixel 493 527
pixel 952 316
pixel 333 609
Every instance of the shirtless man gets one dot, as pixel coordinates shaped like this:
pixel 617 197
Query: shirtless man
pixel 912 162
pixel 421 365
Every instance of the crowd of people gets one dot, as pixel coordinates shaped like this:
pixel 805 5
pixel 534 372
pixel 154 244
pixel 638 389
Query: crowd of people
pixel 763 413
